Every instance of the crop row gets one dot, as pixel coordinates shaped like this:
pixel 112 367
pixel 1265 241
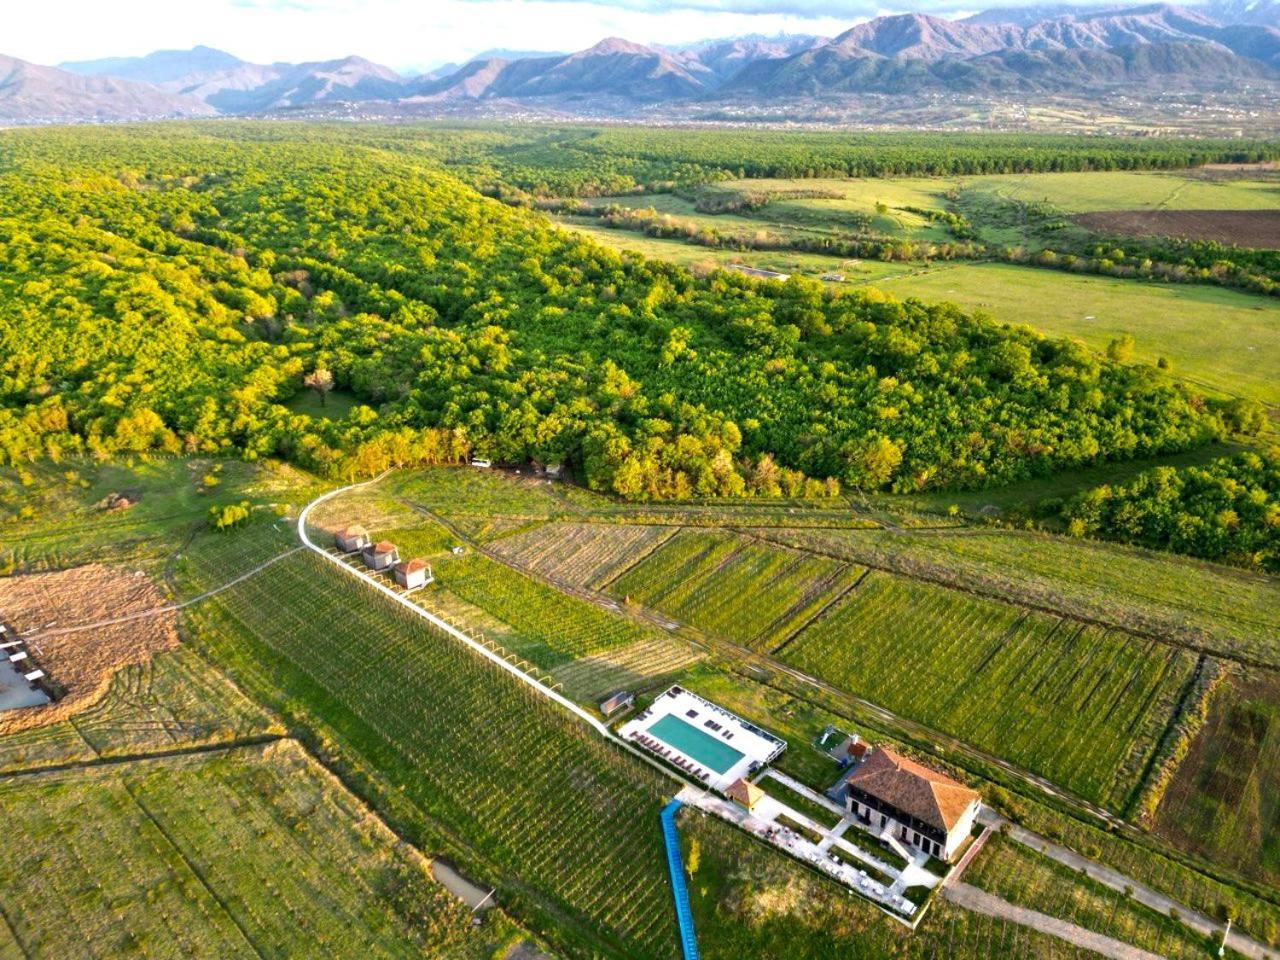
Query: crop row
pixel 1065 701
pixel 640 664
pixel 551 628
pixel 244 855
pixel 534 792
pixel 751 593
pixel 580 554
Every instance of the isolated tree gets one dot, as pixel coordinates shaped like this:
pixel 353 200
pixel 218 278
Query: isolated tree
pixel 321 381
pixel 1121 349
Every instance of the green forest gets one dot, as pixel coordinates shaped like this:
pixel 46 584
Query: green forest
pixel 174 288
pixel 1226 510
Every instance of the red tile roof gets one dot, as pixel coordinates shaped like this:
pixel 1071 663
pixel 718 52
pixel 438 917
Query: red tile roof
pixel 745 792
pixel 383 546
pixel 929 796
pixel 409 566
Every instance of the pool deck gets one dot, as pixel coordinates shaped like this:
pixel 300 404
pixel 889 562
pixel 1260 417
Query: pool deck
pixel 755 747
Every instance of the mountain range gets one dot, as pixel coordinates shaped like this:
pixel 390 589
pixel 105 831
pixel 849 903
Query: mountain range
pixel 1026 51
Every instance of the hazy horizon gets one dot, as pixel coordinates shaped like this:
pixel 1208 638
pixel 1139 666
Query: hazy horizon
pixel 260 31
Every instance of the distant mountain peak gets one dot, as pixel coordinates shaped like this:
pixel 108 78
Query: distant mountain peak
pixel 614 45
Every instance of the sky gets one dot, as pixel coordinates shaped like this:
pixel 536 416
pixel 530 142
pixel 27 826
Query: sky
pixel 409 34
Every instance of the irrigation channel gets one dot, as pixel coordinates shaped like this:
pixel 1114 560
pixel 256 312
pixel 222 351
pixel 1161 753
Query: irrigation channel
pixel 1237 941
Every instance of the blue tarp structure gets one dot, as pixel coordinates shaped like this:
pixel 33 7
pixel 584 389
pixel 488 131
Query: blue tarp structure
pixel 675 863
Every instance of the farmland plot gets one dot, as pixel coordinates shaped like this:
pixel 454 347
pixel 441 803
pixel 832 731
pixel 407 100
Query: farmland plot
pixel 174 700
pixel 249 853
pixel 581 554
pixel 550 628
pixel 752 593
pixel 1026 878
pixel 1077 704
pixel 1224 802
pixel 537 802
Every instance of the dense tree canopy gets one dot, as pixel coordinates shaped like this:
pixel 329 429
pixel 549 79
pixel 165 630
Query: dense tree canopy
pixel 1228 510
pixel 173 288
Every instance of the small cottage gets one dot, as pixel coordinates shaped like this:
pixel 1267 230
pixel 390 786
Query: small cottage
pixel 382 555
pixel 414 573
pixel 745 794
pixel 616 703
pixel 351 538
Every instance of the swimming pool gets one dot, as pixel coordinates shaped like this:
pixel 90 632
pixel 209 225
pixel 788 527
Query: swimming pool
pixel 712 752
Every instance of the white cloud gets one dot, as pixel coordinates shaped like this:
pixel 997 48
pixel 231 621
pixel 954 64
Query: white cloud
pixel 399 33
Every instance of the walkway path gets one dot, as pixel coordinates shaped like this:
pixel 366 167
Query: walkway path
pixel 1159 902
pixel 979 901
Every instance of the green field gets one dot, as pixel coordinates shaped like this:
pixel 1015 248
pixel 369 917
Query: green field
pixel 751 593
pixel 1223 340
pixel 1028 879
pixel 248 853
pixel 1077 704
pixel 553 628
pixel 1222 610
pixel 529 798
pixel 1224 802
pixel 1121 190
pixel 335 405
pixel 701 258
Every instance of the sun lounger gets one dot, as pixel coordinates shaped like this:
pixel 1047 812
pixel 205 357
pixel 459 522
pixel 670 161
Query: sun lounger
pixel 34 675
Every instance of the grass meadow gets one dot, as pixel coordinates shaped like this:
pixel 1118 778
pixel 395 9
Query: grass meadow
pixel 1225 341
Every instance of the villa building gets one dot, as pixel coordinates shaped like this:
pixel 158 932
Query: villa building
pixel 897 798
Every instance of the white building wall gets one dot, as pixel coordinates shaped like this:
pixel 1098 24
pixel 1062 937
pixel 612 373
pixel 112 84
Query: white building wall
pixel 962 828
pixel 954 838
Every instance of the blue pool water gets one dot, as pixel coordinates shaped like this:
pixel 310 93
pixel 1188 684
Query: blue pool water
pixel 712 752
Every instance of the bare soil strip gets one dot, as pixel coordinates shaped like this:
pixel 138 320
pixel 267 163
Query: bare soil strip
pixel 80 664
pixel 1244 228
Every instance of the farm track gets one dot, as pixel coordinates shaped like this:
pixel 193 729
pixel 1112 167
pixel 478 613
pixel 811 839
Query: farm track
pixel 1119 882
pixel 979 901
pixel 113 760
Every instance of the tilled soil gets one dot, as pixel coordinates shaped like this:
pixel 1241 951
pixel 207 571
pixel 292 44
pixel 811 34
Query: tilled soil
pixel 1245 228
pixel 79 663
